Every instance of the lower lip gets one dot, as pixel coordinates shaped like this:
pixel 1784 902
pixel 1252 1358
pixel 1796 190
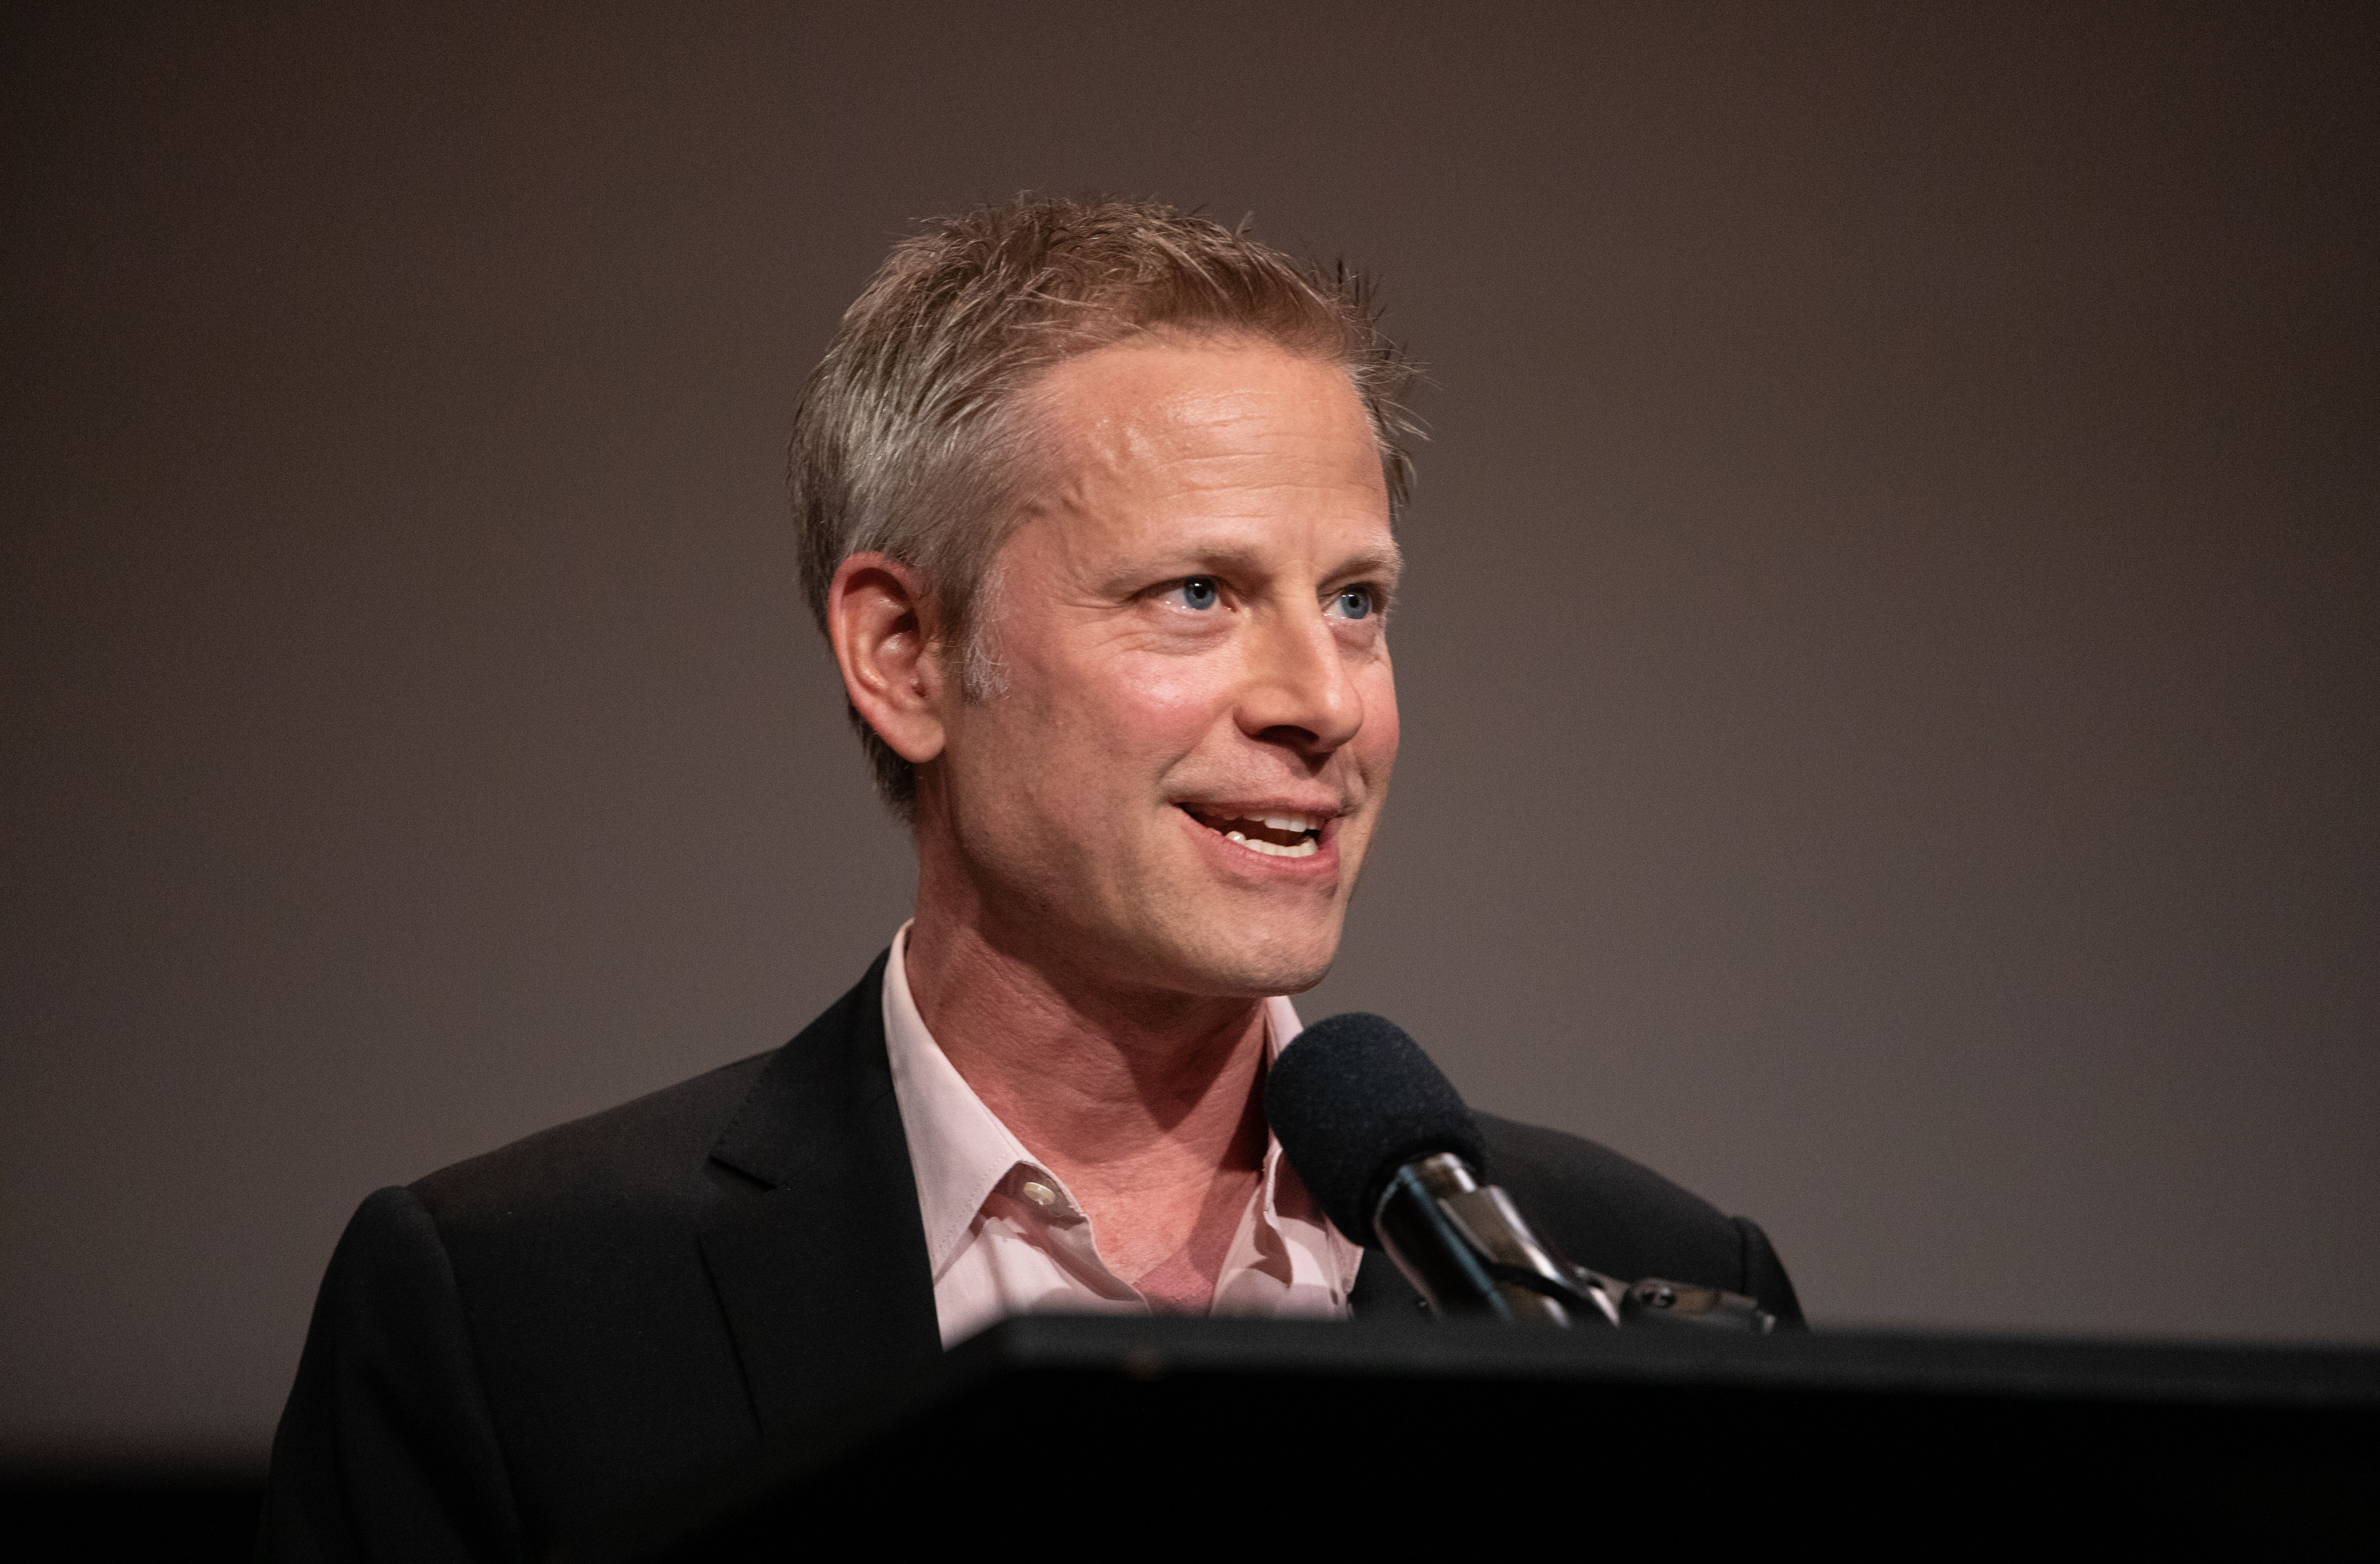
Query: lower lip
pixel 1322 864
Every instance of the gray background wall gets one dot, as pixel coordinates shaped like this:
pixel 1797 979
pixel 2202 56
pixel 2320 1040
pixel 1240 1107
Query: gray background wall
pixel 1889 681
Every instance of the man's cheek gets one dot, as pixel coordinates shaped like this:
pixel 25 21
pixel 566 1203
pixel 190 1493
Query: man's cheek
pixel 1381 730
pixel 1162 692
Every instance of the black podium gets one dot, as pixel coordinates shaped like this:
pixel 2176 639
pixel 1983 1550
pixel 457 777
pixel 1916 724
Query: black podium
pixel 1254 1436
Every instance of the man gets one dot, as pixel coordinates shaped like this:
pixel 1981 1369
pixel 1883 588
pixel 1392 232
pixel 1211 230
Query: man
pixel 1094 502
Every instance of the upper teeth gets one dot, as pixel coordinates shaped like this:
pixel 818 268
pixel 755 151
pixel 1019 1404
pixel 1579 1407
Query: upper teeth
pixel 1273 849
pixel 1291 821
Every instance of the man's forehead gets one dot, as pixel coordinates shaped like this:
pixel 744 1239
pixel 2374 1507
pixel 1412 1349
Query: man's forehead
pixel 1199 402
pixel 1221 527
pixel 1209 449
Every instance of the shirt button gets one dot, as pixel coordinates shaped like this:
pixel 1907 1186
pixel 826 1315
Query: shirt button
pixel 1039 1193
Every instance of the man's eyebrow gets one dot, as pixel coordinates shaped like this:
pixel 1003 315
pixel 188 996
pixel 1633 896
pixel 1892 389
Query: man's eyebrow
pixel 1388 561
pixel 1228 559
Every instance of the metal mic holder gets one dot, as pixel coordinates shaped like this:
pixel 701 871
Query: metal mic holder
pixel 1468 1251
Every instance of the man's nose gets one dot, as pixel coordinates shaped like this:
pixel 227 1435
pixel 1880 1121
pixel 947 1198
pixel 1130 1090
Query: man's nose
pixel 1299 690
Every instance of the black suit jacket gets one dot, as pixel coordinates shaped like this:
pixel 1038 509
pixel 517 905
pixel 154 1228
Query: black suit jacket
pixel 515 1349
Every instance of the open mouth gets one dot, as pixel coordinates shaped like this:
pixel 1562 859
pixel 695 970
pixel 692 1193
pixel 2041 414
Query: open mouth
pixel 1275 833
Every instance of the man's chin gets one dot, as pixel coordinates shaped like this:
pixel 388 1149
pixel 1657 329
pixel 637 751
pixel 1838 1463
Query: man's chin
pixel 1233 964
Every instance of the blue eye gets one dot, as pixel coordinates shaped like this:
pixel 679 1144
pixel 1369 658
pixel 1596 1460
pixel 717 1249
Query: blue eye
pixel 1199 591
pixel 1353 603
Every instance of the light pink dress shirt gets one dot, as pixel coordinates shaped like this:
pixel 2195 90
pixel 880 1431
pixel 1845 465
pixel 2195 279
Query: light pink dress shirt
pixel 1006 1237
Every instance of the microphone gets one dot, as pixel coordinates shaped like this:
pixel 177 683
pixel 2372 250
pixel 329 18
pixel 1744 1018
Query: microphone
pixel 1384 1143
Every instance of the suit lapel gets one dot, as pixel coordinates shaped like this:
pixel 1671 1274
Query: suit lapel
pixel 823 1277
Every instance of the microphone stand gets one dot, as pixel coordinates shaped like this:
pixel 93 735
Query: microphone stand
pixel 1468 1252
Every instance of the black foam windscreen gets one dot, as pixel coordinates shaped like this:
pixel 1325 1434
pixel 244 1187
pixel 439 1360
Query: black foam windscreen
pixel 1352 1099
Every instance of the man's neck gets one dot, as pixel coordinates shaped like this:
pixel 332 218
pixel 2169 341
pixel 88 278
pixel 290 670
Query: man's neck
pixel 1148 1105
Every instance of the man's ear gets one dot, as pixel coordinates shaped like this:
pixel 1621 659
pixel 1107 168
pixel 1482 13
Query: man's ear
pixel 877 616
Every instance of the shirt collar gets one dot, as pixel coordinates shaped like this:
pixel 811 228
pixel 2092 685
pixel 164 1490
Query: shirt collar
pixel 958 1148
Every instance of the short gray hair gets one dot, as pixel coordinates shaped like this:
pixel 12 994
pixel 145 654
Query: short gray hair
pixel 906 440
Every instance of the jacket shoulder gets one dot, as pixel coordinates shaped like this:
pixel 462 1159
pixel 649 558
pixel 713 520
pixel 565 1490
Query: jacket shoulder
pixel 683 1146
pixel 1590 1182
pixel 652 1149
pixel 388 1355
pixel 1614 1215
